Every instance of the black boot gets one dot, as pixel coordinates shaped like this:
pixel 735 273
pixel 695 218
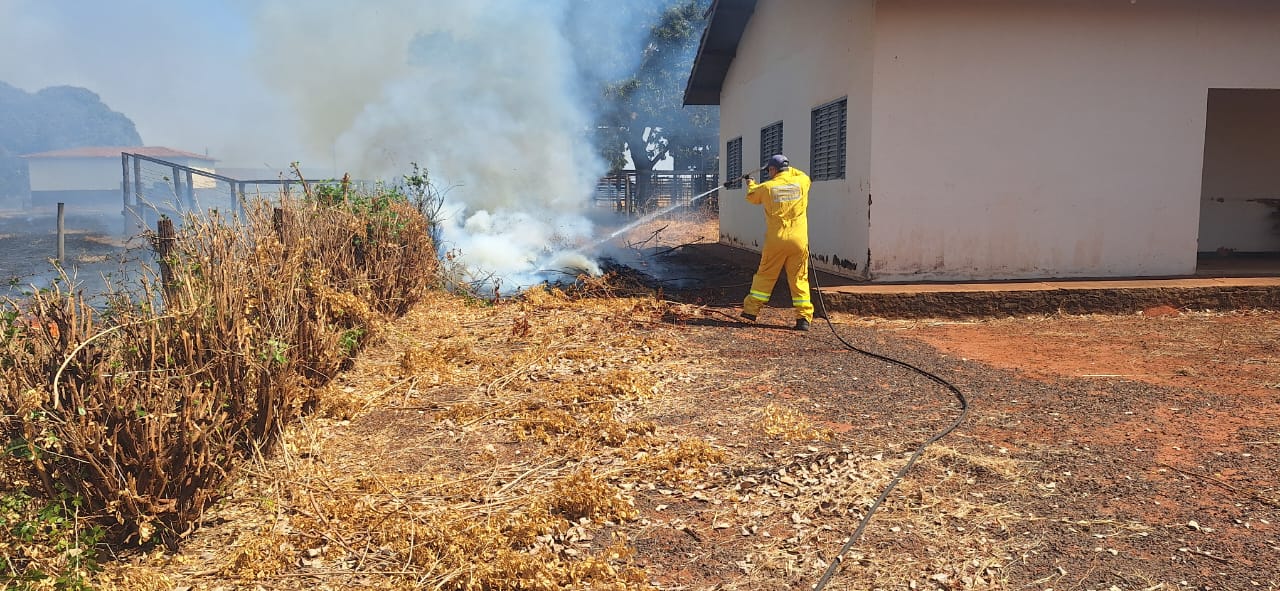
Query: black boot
pixel 802 324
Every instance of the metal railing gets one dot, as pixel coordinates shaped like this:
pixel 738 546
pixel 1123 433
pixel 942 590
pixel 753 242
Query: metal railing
pixel 153 188
pixel 621 190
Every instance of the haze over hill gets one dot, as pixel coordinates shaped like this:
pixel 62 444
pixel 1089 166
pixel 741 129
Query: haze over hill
pixel 51 119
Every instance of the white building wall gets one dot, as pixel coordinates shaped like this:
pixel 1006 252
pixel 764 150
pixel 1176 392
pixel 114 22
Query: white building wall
pixel 792 59
pixel 74 174
pixel 98 174
pixel 1055 138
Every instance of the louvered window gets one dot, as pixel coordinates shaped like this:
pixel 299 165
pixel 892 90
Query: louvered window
pixel 829 137
pixel 733 163
pixel 770 142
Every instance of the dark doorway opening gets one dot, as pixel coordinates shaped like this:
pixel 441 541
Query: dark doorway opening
pixel 1240 187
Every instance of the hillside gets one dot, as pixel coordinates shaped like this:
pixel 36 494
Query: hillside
pixel 54 118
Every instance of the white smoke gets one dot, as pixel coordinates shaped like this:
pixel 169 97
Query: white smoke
pixel 486 95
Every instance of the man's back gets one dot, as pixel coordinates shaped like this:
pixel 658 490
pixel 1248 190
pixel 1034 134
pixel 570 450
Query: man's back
pixel 785 198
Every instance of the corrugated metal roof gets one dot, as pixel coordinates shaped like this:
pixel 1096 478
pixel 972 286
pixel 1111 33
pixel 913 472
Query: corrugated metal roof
pixel 725 24
pixel 115 151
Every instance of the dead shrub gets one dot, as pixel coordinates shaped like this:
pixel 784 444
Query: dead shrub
pixel 141 410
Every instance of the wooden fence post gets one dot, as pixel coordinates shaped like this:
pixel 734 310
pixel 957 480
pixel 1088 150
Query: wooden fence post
pixel 277 222
pixel 62 234
pixel 164 247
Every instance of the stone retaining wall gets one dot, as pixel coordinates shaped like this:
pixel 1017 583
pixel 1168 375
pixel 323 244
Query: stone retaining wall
pixel 987 304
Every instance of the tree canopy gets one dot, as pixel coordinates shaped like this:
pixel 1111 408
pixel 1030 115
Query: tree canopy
pixel 55 118
pixel 646 108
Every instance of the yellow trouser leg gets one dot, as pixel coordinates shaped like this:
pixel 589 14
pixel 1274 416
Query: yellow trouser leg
pixel 772 261
pixel 798 281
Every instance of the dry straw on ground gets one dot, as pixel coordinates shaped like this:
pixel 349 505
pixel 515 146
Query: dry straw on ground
pixel 559 440
pixel 514 446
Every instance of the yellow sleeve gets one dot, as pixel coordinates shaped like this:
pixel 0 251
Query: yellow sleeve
pixel 756 192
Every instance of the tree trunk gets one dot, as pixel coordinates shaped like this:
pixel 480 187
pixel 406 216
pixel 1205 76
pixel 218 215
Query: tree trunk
pixel 644 192
pixel 636 142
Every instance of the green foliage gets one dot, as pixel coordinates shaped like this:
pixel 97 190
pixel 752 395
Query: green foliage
pixel 330 195
pixel 275 352
pixel 380 207
pixel 8 325
pixel 653 97
pixel 58 552
pixel 350 341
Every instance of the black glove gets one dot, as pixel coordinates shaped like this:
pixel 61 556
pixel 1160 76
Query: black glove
pixel 747 177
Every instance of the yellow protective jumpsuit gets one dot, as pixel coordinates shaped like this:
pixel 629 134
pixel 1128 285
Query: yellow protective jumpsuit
pixel 785 198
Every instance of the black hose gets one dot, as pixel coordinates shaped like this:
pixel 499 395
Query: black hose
pixel 964 412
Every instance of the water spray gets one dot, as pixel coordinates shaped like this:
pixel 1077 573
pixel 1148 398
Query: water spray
pixel 575 261
pixel 633 225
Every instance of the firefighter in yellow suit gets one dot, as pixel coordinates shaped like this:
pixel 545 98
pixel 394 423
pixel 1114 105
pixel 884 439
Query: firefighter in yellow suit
pixel 785 197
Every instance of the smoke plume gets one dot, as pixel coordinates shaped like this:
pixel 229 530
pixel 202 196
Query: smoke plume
pixel 488 96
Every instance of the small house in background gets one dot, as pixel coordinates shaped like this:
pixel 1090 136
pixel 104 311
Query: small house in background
pixel 90 178
pixel 1004 139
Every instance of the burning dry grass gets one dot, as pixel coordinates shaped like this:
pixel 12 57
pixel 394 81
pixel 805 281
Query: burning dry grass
pixel 562 440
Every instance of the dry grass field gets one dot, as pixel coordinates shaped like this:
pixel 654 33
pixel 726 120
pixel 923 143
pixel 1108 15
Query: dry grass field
pixel 609 439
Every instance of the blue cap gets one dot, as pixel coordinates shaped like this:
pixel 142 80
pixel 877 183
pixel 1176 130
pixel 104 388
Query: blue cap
pixel 777 161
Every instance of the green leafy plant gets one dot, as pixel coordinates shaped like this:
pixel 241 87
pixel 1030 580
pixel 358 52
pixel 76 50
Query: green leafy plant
pixel 59 553
pixel 350 341
pixel 274 352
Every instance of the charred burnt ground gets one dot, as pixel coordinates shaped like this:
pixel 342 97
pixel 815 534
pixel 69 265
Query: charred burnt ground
pixel 704 274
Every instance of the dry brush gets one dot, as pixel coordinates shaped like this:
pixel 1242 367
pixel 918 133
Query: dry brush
pixel 140 410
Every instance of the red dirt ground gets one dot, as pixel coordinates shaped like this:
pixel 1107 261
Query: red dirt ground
pixel 1198 433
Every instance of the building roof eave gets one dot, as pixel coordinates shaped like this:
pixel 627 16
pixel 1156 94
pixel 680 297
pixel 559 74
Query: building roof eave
pixel 726 21
pixel 115 151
